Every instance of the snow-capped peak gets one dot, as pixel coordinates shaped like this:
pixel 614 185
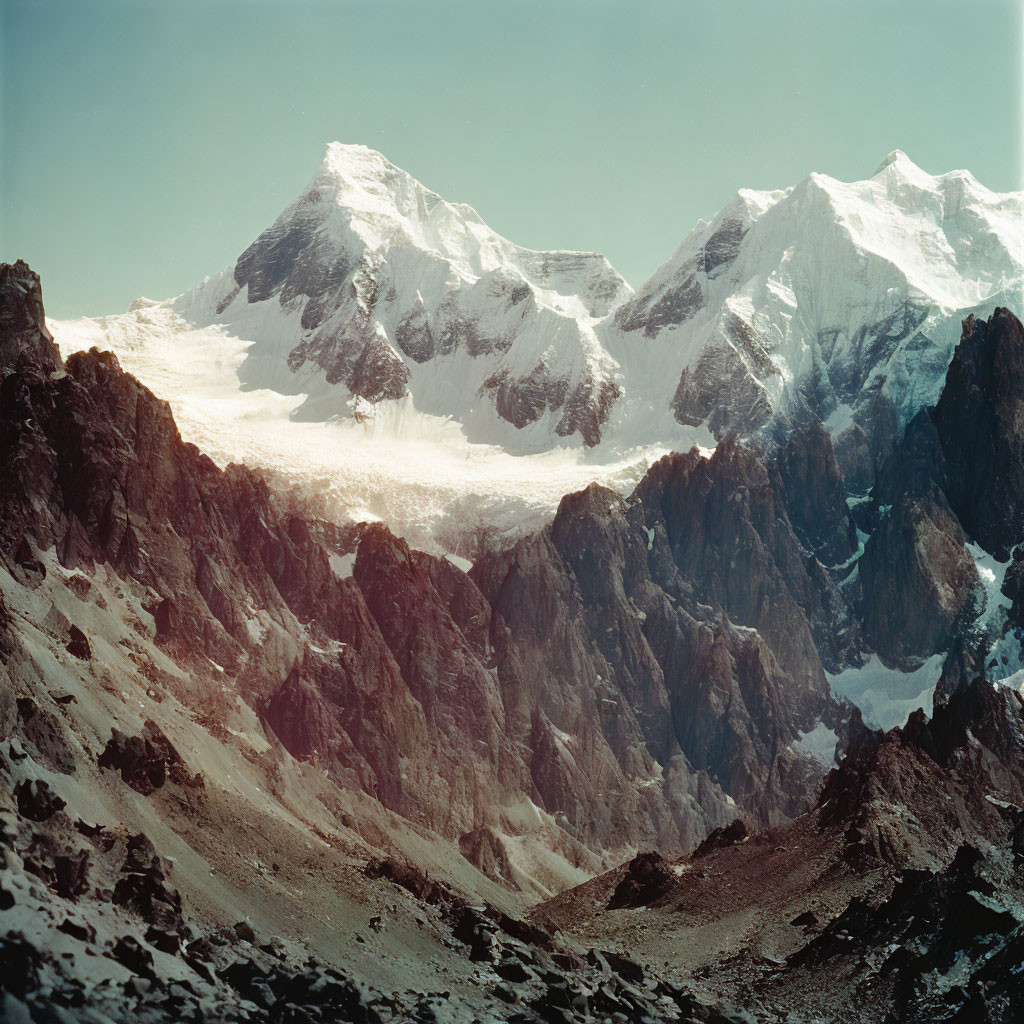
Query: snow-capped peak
pixel 373 298
pixel 377 198
pixel 896 158
pixel 370 287
pixel 827 296
pixel 898 165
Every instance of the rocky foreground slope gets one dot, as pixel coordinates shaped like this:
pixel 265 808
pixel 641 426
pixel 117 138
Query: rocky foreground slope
pixel 261 765
pixel 897 899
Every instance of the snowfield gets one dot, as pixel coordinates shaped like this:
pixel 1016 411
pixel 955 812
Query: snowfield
pixel 886 696
pixel 416 472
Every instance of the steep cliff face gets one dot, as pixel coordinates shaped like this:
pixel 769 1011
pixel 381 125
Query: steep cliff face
pixel 729 533
pixel 954 479
pixel 979 422
pixel 816 494
pixel 919 582
pixel 23 331
pixel 692 610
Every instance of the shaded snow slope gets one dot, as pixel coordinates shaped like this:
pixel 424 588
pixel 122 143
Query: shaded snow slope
pixel 886 696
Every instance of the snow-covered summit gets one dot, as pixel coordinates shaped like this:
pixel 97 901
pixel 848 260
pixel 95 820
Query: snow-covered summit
pixel 379 200
pixel 373 301
pixel 834 299
pixel 370 288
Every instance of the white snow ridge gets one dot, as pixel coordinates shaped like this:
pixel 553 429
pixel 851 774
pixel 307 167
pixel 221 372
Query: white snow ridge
pixel 386 346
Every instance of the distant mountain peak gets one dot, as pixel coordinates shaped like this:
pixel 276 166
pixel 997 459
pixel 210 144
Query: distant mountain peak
pixel 896 158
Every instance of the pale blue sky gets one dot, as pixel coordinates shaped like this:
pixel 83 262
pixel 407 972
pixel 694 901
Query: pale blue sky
pixel 146 143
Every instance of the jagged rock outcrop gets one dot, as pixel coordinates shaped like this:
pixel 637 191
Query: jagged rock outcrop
pixel 91 463
pixel 690 612
pixel 979 422
pixel 23 331
pixel 730 542
pixel 912 795
pixel 646 878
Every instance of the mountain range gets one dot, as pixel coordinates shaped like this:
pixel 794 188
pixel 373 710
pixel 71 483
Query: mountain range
pixel 737 738
pixel 829 300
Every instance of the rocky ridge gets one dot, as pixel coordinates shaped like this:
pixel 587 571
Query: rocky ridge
pixel 426 688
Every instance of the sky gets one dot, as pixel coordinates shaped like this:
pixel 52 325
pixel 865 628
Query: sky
pixel 145 143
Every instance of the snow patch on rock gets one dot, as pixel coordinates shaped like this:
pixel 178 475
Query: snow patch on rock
pixel 819 743
pixel 886 696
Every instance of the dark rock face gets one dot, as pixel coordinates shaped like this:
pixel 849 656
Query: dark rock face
pixel 950 784
pixel 935 917
pixel 675 305
pixel 522 401
pixel 587 407
pixel 918 580
pixel 45 736
pixel 816 495
pixel 730 543
pixel 23 333
pixel 484 849
pixel 870 346
pixel 724 245
pixel 861 449
pixel 958 473
pixel 720 388
pixel 943 773
pixel 143 889
pixel 78 644
pixel 979 422
pixel 291 261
